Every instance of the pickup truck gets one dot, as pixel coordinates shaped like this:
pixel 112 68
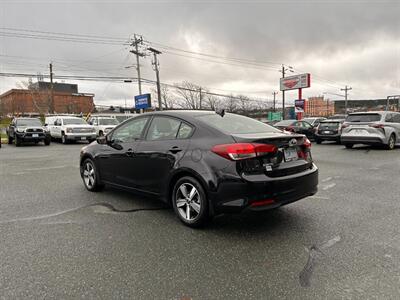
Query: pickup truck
pixel 23 130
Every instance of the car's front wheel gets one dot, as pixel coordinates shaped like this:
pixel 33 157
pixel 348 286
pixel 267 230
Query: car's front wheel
pixel 90 176
pixel 18 141
pixel 10 140
pixel 190 202
pixel 63 139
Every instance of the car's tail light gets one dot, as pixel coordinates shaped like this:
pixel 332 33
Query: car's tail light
pixel 241 151
pixel 305 150
pixel 376 125
pixel 290 128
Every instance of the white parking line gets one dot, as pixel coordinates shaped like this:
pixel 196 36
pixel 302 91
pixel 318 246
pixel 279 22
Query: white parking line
pixel 329 186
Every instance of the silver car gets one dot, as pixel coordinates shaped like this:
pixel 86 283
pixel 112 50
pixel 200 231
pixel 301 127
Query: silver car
pixel 371 128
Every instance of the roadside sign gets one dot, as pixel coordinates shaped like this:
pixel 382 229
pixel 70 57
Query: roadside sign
pixel 295 82
pixel 143 101
pixel 299 105
pixel 274 116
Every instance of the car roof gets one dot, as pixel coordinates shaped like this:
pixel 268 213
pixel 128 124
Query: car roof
pixel 371 112
pixel 332 120
pixel 25 118
pixel 190 113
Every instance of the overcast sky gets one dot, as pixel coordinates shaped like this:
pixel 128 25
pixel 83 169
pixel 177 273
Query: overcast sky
pixel 355 43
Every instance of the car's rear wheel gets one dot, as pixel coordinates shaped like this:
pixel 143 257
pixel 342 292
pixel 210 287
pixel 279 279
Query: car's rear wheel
pixel 10 140
pixel 348 146
pixel 318 141
pixel 391 143
pixel 190 202
pixel 90 176
pixel 47 141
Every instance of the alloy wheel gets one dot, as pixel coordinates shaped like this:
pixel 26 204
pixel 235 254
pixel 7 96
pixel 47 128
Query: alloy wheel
pixel 188 201
pixel 89 176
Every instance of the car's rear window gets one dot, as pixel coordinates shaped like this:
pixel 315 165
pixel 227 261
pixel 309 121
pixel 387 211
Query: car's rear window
pixel 285 123
pixel 364 118
pixel 231 124
pixel 329 124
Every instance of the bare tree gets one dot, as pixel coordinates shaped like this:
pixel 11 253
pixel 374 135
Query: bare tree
pixel 231 104
pixel 189 94
pixel 244 104
pixel 168 100
pixel 213 102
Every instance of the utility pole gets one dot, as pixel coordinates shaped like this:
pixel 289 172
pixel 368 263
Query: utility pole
pixel 51 108
pixel 156 65
pixel 138 54
pixel 346 89
pixel 274 93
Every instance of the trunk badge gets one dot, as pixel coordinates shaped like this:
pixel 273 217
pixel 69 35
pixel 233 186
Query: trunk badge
pixel 293 142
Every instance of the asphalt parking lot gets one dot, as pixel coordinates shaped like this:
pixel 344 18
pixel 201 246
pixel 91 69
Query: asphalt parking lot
pixel 60 241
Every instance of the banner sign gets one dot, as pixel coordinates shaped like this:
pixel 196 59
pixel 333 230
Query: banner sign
pixel 299 105
pixel 295 82
pixel 143 101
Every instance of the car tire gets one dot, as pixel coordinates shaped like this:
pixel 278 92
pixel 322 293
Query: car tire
pixel 190 202
pixel 10 140
pixel 338 141
pixel 17 141
pixel 348 146
pixel 391 142
pixel 318 141
pixel 63 139
pixel 90 176
pixel 47 141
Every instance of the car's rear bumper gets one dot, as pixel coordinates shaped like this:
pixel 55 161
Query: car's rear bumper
pixel 369 140
pixel 327 137
pixel 236 196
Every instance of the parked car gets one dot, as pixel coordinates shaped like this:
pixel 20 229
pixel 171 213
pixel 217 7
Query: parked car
pixel 69 128
pixel 23 130
pixel 372 128
pixel 103 125
pixel 295 126
pixel 337 117
pixel 203 163
pixel 314 121
pixel 329 130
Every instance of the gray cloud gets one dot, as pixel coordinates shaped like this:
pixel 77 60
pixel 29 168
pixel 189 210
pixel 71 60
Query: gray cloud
pixel 343 42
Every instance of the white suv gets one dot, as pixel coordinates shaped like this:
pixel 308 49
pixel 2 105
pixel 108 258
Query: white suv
pixel 69 128
pixel 103 125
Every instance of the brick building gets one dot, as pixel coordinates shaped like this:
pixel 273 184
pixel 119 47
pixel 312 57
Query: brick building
pixel 38 101
pixel 319 107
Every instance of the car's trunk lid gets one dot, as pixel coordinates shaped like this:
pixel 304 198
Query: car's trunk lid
pixel 285 161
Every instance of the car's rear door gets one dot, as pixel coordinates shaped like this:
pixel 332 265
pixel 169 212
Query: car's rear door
pixel 166 141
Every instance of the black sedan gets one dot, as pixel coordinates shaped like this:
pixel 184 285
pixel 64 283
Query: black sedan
pixel 295 126
pixel 203 163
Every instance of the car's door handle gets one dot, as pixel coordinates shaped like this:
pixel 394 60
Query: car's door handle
pixel 129 152
pixel 175 149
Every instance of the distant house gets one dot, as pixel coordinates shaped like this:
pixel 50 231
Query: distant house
pixel 37 100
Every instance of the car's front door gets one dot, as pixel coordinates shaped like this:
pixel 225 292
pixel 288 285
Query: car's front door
pixel 166 141
pixel 118 158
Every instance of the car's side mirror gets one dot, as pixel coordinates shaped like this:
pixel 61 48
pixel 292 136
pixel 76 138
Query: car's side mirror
pixel 102 140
